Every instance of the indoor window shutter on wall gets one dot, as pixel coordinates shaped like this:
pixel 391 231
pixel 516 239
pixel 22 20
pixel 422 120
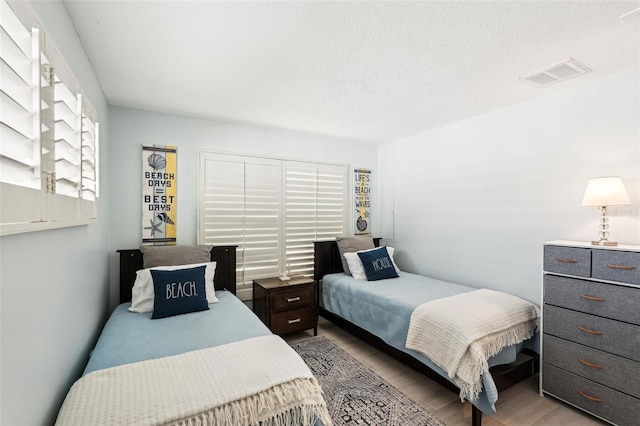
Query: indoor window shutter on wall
pixel 19 119
pixel 262 220
pixel 271 209
pixel 49 151
pixel 314 210
pixel 240 203
pixel 61 136
pixel 90 145
pixel 67 139
pixel 89 157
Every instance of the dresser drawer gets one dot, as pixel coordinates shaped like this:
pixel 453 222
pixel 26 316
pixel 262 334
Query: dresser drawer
pixel 567 260
pixel 299 319
pixel 602 401
pixel 605 300
pixel 613 265
pixel 610 370
pixel 608 335
pixel 299 296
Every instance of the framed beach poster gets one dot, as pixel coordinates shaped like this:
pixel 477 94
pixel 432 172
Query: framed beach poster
pixel 362 198
pixel 159 195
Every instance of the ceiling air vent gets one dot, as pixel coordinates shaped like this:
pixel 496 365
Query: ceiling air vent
pixel 555 73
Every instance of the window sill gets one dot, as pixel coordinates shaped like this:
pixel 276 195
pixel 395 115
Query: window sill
pixel 19 228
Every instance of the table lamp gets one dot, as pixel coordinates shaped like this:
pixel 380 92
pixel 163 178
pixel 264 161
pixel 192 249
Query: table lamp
pixel 604 192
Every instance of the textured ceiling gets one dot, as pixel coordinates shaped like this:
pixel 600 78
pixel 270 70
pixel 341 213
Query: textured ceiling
pixel 374 71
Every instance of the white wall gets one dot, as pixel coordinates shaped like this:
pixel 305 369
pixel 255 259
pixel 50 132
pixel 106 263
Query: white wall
pixel 54 284
pixel 133 128
pixel 474 200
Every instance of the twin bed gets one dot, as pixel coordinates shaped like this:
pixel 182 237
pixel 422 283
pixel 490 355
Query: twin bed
pixel 222 365
pixel 381 312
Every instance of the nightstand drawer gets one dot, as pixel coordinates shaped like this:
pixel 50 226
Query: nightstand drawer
pixel 567 260
pixel 613 265
pixel 299 319
pixel 296 297
pixel 602 401
pixel 610 370
pixel 605 300
pixel 611 336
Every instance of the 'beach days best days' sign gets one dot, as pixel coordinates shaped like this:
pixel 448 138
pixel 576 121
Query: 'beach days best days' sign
pixel 159 194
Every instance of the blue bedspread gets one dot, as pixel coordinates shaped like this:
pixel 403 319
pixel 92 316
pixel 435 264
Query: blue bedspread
pixel 384 309
pixel 130 337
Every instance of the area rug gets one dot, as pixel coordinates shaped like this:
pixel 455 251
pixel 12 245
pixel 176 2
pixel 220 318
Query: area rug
pixel 355 395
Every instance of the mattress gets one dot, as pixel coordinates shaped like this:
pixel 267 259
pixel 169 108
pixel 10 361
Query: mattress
pixel 384 309
pixel 130 337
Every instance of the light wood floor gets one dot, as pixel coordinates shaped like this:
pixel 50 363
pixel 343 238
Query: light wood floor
pixel 519 405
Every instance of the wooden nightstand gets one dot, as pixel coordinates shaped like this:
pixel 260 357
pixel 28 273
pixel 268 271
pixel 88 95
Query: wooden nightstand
pixel 286 306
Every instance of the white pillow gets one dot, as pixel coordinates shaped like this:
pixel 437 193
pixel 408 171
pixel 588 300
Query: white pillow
pixel 142 293
pixel 357 268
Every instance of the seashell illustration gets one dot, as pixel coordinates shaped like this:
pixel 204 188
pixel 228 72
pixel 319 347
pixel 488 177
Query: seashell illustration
pixel 157 161
pixel 165 218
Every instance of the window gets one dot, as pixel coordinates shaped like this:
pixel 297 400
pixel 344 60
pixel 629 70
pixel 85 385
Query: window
pixel 314 210
pixel 271 209
pixel 49 130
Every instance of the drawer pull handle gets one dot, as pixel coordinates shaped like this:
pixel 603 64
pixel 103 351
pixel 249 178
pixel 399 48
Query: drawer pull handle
pixel 563 260
pixel 589 397
pixel 293 299
pixel 293 321
pixel 586 330
pixel 594 298
pixel 588 364
pixel 624 267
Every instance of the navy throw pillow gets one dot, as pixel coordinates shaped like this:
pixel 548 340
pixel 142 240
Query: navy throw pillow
pixel 377 264
pixel 178 292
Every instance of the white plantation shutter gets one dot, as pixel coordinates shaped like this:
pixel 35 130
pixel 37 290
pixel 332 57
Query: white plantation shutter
pixel 262 219
pixel 90 172
pixel 271 209
pixel 89 156
pixel 19 119
pixel 239 204
pixel 314 210
pixel 48 132
pixel 67 139
pixel 61 136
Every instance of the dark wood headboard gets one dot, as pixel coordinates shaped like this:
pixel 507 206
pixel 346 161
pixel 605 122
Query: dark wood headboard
pixel 225 278
pixel 326 258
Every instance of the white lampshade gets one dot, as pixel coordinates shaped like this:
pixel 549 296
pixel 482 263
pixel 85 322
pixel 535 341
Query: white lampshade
pixel 605 191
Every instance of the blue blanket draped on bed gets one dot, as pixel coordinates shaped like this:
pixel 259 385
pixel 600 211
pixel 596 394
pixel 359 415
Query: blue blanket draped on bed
pixel 384 309
pixel 129 337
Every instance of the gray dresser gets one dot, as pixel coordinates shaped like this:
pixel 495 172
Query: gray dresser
pixel 591 329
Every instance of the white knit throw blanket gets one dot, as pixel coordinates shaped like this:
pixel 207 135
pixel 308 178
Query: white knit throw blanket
pixel 460 333
pixel 255 381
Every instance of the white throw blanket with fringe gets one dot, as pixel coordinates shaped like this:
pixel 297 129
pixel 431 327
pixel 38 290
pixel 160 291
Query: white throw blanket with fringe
pixel 258 380
pixel 460 333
